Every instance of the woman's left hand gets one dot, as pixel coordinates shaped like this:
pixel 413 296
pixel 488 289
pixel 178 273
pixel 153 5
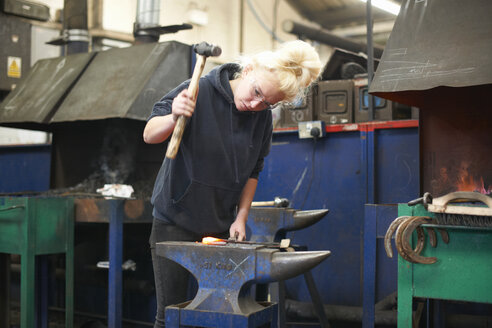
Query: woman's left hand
pixel 238 228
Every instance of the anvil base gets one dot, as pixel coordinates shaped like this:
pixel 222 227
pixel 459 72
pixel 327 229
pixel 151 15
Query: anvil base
pixel 177 316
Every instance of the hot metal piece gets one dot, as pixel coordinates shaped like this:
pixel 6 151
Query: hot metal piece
pixel 225 274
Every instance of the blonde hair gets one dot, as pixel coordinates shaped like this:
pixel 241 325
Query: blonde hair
pixel 295 63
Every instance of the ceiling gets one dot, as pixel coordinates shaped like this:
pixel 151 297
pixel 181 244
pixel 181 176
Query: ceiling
pixel 346 17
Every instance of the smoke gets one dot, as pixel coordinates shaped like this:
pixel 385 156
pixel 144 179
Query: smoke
pixel 118 154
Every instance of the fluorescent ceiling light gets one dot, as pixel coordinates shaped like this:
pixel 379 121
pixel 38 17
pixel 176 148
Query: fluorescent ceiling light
pixel 386 5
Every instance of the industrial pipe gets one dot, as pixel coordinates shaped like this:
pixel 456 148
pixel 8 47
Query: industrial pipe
pixel 328 38
pixel 147 16
pixel 337 313
pixel 75 26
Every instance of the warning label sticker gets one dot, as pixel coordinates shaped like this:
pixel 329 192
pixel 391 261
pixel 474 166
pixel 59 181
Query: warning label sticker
pixel 14 66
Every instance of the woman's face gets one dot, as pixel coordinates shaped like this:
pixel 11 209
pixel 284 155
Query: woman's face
pixel 256 90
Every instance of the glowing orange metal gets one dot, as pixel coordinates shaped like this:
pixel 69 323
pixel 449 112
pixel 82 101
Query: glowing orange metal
pixel 213 241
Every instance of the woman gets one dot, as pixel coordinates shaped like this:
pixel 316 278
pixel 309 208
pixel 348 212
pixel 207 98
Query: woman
pixel 208 188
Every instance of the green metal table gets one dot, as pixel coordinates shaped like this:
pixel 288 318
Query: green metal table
pixel 31 226
pixel 462 271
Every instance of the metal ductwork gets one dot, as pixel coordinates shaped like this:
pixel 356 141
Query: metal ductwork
pixel 438 49
pixel 75 33
pixel 96 105
pixel 146 27
pixel 324 36
pixel 117 83
pixel 147 16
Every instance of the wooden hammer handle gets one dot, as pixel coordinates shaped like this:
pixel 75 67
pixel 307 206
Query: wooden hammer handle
pixel 263 203
pixel 173 147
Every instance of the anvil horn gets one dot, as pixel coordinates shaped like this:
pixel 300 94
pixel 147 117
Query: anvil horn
pixel 303 219
pixel 287 265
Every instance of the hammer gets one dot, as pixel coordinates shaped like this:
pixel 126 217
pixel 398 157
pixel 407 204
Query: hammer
pixel 277 202
pixel 203 50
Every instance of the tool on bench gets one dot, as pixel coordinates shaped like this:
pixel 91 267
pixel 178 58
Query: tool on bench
pixel 203 50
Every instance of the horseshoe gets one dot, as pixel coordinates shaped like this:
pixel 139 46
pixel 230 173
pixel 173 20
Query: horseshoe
pixel 420 240
pixel 399 241
pixel 407 248
pixel 389 233
pixel 444 235
pixel 432 236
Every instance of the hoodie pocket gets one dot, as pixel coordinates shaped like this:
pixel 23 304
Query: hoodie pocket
pixel 207 208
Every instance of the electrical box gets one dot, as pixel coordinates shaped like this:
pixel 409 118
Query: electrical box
pixel 290 116
pixel 15 51
pixel 334 103
pixel 384 110
pixel 312 129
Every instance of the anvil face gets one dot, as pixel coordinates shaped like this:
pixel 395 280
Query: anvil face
pixel 225 273
pixel 269 224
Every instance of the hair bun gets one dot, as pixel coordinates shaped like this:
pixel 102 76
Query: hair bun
pixel 295 63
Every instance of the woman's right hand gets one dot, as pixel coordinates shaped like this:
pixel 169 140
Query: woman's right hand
pixel 183 104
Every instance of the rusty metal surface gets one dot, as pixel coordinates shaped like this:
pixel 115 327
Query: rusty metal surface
pixel 126 82
pixel 96 210
pixel 405 226
pixel 37 96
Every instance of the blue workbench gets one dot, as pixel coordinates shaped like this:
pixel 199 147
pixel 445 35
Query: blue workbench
pixel 353 165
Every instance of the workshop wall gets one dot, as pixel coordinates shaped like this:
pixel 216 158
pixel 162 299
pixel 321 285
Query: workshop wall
pixel 214 21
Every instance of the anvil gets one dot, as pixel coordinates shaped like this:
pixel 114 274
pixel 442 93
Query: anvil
pixel 225 273
pixel 269 224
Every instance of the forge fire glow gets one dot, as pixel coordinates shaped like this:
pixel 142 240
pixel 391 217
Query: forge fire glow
pixel 213 241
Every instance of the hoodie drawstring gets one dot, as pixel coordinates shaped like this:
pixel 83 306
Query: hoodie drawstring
pixel 234 157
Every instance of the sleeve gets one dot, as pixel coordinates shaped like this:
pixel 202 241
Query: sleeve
pixel 164 106
pixel 265 148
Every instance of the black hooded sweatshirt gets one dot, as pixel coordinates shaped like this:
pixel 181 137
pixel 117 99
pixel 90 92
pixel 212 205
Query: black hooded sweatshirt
pixel 220 150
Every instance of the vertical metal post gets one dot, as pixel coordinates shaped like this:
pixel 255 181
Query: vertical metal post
pixel 42 290
pixel 363 160
pixel 69 264
pixel 241 26
pixel 371 165
pixel 5 286
pixel 369 264
pixel 115 261
pixel 367 139
pixel 316 298
pixel 370 57
pixel 281 303
pixel 28 267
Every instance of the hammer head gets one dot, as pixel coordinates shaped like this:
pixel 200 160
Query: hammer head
pixel 281 202
pixel 207 50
